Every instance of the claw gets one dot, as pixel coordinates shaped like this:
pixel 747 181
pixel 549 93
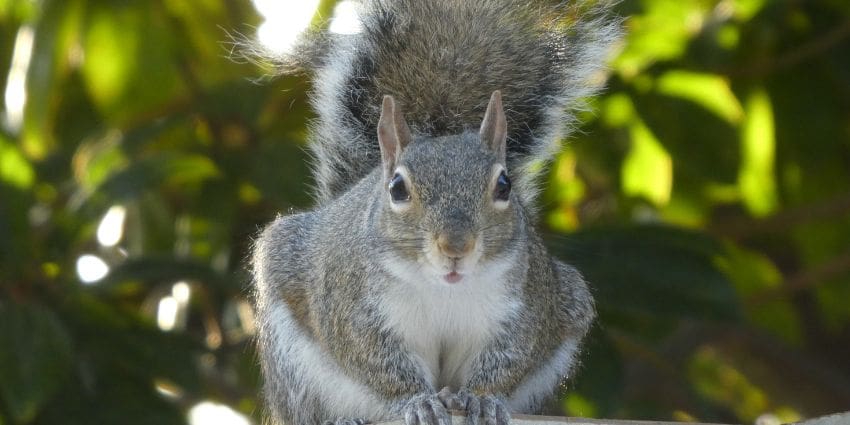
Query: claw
pixel 488 409
pixel 495 411
pixel 450 400
pixel 426 409
pixel 346 421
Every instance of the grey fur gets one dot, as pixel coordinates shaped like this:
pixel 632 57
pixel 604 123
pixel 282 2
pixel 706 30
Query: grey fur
pixel 331 284
pixel 323 267
pixel 441 59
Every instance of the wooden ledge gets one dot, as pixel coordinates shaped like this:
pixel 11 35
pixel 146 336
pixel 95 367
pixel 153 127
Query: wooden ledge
pixel 458 419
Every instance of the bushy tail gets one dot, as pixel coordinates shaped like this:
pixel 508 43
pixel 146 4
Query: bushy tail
pixel 441 60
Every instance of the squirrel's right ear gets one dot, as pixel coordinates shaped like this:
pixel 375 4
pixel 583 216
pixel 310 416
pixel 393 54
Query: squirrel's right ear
pixel 494 128
pixel 393 133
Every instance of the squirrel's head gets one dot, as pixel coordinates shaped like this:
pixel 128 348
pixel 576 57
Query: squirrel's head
pixel 448 209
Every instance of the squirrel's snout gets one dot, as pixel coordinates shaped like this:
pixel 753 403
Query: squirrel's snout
pixel 455 246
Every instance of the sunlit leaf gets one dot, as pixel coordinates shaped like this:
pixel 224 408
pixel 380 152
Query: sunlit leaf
pixel 618 110
pixel 647 169
pixel 15 169
pixel 129 65
pixel 35 355
pixel 728 36
pixel 55 35
pixel 660 33
pixel 709 91
pixel 758 143
pixel 747 9
pixel 703 146
pixel 576 404
pixel 11 10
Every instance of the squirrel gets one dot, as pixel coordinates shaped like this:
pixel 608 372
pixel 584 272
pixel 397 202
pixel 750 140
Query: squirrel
pixel 418 283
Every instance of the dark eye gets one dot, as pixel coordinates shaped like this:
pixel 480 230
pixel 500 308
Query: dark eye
pixel 503 187
pixel 398 190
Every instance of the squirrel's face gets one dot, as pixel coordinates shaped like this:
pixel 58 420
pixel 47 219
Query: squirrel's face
pixel 448 211
pixel 448 208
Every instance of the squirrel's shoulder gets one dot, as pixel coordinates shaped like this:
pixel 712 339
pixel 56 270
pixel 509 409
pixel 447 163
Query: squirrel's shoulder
pixel 281 251
pixel 287 244
pixel 558 285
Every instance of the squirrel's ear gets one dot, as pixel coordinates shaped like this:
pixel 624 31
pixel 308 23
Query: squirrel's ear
pixel 393 132
pixel 494 128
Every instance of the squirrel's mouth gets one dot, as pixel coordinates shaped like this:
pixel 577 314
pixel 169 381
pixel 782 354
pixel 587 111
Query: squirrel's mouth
pixel 453 277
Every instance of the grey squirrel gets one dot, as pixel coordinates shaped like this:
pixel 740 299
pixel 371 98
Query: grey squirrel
pixel 418 283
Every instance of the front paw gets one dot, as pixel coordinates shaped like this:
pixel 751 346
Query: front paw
pixel 343 421
pixel 426 409
pixel 490 409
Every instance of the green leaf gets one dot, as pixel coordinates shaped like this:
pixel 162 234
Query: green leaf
pixel 110 396
pixel 752 272
pixel 703 146
pixel 758 143
pixel 55 34
pixel 647 169
pixel 130 68
pixel 597 385
pixel 117 342
pixel 660 33
pixel 16 243
pixel 721 381
pixel 747 9
pixel 35 358
pixel 14 167
pixel 164 269
pixel 712 92
pixel 16 10
pixel 95 160
pixel 651 272
pixel 170 170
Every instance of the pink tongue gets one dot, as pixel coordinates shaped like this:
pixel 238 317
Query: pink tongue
pixel 453 277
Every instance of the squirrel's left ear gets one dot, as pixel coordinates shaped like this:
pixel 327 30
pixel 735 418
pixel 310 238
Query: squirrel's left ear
pixel 494 128
pixel 393 133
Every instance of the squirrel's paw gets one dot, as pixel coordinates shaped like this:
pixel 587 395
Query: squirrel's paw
pixel 486 409
pixel 342 421
pixel 426 409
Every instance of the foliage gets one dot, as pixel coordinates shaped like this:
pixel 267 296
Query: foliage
pixel 706 197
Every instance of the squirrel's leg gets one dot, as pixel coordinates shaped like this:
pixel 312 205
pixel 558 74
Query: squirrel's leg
pixel 520 369
pixel 379 358
pixel 494 374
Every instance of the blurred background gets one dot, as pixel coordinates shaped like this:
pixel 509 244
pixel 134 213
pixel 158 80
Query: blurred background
pixel 706 197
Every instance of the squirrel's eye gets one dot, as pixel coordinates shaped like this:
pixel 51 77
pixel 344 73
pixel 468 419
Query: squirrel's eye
pixel 503 187
pixel 398 190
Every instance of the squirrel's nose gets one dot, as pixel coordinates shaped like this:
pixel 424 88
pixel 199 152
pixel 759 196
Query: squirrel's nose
pixel 455 246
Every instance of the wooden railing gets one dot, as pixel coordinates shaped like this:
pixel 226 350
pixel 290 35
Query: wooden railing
pixel 458 418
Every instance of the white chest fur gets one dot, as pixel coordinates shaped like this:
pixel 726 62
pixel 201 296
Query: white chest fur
pixel 447 325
